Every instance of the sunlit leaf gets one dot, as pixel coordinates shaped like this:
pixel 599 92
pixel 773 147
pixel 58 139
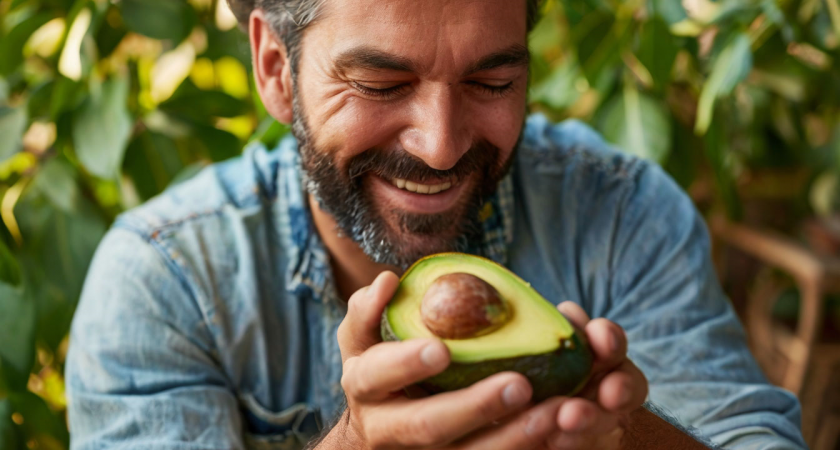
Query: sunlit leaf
pixel 559 90
pixel 11 46
pixel 638 124
pixel 70 62
pixel 170 70
pixel 159 19
pixel 102 128
pixel 12 127
pixel 232 76
pixel 730 68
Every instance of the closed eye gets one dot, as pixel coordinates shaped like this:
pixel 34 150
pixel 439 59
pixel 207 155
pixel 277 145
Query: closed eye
pixel 496 90
pixel 383 93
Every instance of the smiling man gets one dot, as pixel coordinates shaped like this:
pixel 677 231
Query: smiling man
pixel 241 308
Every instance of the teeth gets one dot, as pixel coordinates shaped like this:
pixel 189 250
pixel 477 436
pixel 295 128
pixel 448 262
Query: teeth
pixel 421 188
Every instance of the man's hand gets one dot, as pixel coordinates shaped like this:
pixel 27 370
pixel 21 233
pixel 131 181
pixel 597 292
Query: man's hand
pixel 491 414
pixel 599 417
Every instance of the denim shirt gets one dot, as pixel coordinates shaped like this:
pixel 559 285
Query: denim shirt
pixel 208 318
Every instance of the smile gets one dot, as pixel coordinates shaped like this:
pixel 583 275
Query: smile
pixel 421 188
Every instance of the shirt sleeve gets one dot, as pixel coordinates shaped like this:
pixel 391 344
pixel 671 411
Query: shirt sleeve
pixel 682 330
pixel 140 369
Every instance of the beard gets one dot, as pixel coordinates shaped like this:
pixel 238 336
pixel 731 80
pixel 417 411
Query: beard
pixel 389 235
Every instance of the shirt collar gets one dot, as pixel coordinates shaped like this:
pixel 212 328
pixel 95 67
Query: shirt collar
pixel 309 267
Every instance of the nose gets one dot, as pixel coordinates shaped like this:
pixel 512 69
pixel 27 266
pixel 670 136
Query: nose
pixel 438 133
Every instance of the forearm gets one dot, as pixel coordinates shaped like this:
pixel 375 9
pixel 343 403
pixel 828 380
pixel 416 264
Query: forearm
pixel 647 431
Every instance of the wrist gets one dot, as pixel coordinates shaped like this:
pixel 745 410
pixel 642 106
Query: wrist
pixel 342 436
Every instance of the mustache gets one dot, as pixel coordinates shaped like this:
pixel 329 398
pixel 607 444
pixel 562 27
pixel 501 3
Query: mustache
pixel 399 163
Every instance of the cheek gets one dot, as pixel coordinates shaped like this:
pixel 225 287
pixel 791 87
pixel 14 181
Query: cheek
pixel 500 121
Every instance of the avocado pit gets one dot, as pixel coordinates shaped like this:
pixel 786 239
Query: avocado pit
pixel 462 306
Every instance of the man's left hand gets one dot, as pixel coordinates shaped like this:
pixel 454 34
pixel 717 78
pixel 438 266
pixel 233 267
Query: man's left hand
pixel 599 415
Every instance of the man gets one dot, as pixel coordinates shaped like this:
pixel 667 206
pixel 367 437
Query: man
pixel 241 308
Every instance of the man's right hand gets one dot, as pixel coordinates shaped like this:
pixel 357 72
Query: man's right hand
pixel 491 414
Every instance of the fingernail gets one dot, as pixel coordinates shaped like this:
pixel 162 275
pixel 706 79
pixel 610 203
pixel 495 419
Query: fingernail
pixel 515 394
pixel 433 355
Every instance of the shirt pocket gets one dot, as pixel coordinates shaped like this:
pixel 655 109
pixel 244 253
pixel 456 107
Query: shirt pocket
pixel 289 429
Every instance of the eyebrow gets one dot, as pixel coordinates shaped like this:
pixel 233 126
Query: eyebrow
pixel 374 59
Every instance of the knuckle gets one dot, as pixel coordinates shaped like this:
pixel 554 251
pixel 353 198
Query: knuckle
pixel 423 432
pixel 489 408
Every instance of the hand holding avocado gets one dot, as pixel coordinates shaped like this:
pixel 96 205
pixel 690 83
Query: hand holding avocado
pixel 492 412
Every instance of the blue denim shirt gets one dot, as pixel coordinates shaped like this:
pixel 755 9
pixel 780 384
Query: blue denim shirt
pixel 208 318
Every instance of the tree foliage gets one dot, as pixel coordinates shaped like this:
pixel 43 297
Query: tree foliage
pixel 104 103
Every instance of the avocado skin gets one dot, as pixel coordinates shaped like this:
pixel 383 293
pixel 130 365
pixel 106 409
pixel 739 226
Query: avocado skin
pixel 561 372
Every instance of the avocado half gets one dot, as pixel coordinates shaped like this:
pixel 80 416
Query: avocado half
pixel 536 341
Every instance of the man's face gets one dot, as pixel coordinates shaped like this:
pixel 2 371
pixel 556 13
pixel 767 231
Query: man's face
pixel 407 113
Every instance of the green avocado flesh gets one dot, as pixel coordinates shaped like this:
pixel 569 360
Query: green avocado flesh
pixel 536 341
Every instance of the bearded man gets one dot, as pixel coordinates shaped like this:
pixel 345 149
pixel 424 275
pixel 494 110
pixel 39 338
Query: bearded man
pixel 241 308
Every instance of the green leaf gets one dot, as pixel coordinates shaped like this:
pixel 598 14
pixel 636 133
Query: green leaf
pixel 558 90
pixel 269 132
pixel 159 19
pixel 195 104
pixel 220 144
pixel 11 46
pixel 717 149
pixel 102 128
pixel 12 127
pixel 4 90
pixel 8 435
pixel 9 268
pixel 669 10
pixel 57 181
pixel 657 50
pixel 17 328
pixel 59 245
pixel 39 422
pixel 598 42
pixel 151 161
pixel 732 65
pixel 638 124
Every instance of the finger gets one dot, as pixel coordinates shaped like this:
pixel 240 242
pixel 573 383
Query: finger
pixel 624 389
pixel 608 343
pixel 576 441
pixel 527 430
pixel 391 366
pixel 360 327
pixel 577 415
pixel 574 313
pixel 441 419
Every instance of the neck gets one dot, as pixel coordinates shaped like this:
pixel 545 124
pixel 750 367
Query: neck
pixel 352 268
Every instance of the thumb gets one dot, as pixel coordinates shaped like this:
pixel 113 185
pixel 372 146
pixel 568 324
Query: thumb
pixel 360 328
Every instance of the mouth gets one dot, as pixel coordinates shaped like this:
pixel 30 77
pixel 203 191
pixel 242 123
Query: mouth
pixel 431 197
pixel 420 188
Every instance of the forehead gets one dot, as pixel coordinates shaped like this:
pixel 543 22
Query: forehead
pixel 433 33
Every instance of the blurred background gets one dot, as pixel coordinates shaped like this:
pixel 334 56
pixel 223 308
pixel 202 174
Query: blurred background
pixel 105 103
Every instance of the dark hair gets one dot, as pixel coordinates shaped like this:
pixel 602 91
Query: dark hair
pixel 289 18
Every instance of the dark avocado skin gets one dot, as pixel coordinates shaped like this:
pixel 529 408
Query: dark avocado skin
pixel 561 372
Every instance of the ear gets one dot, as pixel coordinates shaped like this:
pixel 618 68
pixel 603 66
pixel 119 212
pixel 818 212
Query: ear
pixel 272 71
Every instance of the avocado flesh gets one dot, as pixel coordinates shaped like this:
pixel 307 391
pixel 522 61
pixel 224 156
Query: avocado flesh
pixel 536 341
